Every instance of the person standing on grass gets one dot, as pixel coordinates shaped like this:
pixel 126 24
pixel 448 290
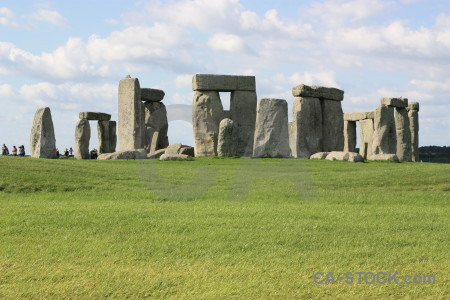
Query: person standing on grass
pixel 22 150
pixel 14 151
pixel 66 153
pixel 5 150
pixel 70 151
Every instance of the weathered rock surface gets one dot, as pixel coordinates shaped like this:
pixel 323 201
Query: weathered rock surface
pixel 357 116
pixel 106 136
pixel 413 106
pixel 167 157
pixel 345 156
pixel 207 112
pixel 413 116
pixel 152 95
pixel 227 143
pixel 131 123
pixel 156 154
pixel 271 133
pixel 366 129
pixel 349 136
pixel 129 154
pixel 173 148
pixel 385 157
pixel 384 136
pixel 42 137
pixel 319 155
pixel 305 130
pixel 223 83
pixel 187 150
pixel 82 137
pixel 320 92
pixel 97 116
pixel 395 102
pixel 155 119
pixel 243 113
pixel 403 131
pixel 333 126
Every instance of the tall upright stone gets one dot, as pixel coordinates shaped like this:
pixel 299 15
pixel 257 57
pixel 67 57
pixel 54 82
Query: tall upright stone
pixel 106 136
pixel 227 145
pixel 366 130
pixel 333 125
pixel 271 133
pixel 349 136
pixel 403 134
pixel 413 115
pixel 82 137
pixel 130 115
pixel 243 113
pixel 42 137
pixel 207 112
pixel 305 130
pixel 384 136
pixel 156 120
pixel 112 136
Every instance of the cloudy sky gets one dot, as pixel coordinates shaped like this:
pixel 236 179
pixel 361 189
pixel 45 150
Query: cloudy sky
pixel 70 55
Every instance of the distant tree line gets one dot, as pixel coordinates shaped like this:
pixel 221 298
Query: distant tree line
pixel 435 154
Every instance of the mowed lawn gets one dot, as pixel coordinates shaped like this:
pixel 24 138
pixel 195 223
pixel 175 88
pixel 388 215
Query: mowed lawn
pixel 221 228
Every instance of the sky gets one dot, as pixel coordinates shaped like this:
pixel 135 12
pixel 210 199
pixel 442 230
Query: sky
pixel 70 56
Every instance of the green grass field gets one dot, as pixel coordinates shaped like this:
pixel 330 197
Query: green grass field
pixel 221 228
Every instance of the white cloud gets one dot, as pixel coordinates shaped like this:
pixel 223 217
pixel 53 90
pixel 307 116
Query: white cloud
pixel 49 16
pixel 227 42
pixel 7 18
pixel 183 80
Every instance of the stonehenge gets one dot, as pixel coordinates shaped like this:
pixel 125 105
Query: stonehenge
pixel 208 112
pixel 42 137
pixel 413 115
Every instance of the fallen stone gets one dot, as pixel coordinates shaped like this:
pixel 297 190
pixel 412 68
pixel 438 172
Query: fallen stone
pixel 82 137
pixel 366 136
pixel 152 95
pixel 167 157
pixel 173 148
pixel 333 126
pixel 243 113
pixel 413 106
pixel 395 102
pixel 42 137
pixel 223 83
pixel 271 133
pixel 97 116
pixel 413 116
pixel 320 92
pixel 384 136
pixel 305 130
pixel 403 131
pixel 187 150
pixel 128 154
pixel 319 155
pixel 384 157
pixel 207 112
pixel 131 123
pixel 345 156
pixel 349 136
pixel 227 142
pixel 156 154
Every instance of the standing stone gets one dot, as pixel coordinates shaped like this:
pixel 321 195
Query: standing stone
pixel 82 137
pixel 112 136
pixel 154 142
pixel 227 145
pixel 384 135
pixel 42 137
pixel 106 136
pixel 130 118
pixel 207 112
pixel 349 136
pixel 403 134
pixel 305 131
pixel 243 113
pixel 366 134
pixel 271 133
pixel 333 125
pixel 413 116
pixel 155 119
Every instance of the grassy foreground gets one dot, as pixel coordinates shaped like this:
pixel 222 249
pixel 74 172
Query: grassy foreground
pixel 221 228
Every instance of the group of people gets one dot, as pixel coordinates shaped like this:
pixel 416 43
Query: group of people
pixel 67 152
pixel 15 151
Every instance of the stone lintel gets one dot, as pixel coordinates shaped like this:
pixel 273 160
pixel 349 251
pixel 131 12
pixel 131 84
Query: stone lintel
pixel 395 102
pixel 152 95
pixel 97 116
pixel 358 116
pixel 320 92
pixel 413 106
pixel 223 83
